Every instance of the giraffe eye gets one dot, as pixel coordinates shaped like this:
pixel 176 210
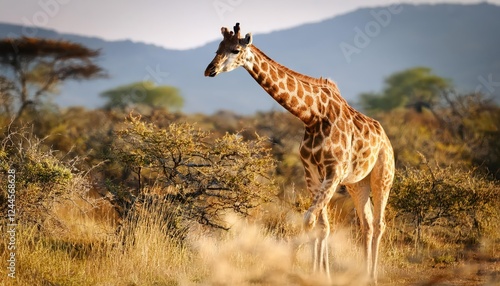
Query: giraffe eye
pixel 235 52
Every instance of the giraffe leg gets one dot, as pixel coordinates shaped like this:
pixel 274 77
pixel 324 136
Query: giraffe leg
pixel 360 193
pixel 320 244
pixel 324 232
pixel 381 182
pixel 316 220
pixel 379 228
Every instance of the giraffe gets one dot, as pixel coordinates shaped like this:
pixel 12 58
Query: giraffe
pixel 341 146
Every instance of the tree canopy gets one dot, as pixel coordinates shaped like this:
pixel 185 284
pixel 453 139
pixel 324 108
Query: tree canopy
pixel 417 87
pixel 33 67
pixel 143 93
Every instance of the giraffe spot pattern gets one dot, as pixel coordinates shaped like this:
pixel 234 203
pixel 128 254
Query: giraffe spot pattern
pixel 265 67
pixel 274 75
pixel 300 91
pixel 290 84
pixel 309 100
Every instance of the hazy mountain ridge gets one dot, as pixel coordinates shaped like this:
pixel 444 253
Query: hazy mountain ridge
pixel 460 42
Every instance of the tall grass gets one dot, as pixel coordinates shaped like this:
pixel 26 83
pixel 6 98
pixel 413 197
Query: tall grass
pixel 142 251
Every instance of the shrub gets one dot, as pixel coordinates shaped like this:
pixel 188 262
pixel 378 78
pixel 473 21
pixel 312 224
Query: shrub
pixel 41 178
pixel 180 164
pixel 463 203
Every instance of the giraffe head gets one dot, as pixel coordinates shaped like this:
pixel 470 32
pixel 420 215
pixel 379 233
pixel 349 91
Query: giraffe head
pixel 232 52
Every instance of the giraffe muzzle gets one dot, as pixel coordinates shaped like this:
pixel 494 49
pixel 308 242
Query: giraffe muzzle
pixel 210 71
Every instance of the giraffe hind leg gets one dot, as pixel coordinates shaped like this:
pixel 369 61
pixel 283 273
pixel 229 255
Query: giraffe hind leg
pixel 360 193
pixel 378 231
pixel 381 183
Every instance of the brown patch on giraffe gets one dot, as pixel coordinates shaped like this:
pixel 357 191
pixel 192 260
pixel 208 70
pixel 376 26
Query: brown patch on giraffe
pixel 274 74
pixel 366 153
pixel 326 91
pixel 265 67
pixel 358 123
pixel 341 124
pixel 300 92
pixel 343 140
pixel 333 111
pixel 282 85
pixel 309 100
pixel 274 89
pixel 260 77
pixel 290 83
pixel 294 101
pixel 284 96
pixel 358 146
pixel 255 69
pixel 324 98
pixel 366 131
pixel 281 73
pixel 302 108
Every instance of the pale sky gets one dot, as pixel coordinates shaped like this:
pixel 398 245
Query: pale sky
pixel 178 24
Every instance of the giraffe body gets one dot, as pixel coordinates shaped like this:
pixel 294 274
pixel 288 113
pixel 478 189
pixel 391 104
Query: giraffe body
pixel 340 145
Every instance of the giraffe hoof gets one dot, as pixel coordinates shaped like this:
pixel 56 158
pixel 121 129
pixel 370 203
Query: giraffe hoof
pixel 309 220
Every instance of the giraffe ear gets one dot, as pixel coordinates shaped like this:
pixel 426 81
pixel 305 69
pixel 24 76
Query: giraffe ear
pixel 247 40
pixel 225 32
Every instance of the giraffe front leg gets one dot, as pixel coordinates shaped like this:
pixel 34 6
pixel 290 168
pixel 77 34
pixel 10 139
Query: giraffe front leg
pixel 309 220
pixel 309 227
pixel 324 232
pixel 316 223
pixel 319 240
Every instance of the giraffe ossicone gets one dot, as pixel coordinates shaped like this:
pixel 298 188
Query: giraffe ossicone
pixel 341 146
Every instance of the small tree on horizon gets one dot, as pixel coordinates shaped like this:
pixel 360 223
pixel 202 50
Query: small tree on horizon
pixel 143 93
pixel 416 87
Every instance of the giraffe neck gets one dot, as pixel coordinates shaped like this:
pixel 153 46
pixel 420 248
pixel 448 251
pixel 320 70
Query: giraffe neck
pixel 305 97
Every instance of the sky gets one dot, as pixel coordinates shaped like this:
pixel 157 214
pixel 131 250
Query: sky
pixel 178 24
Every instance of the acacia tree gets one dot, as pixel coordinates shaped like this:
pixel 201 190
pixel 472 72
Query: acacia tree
pixel 33 67
pixel 415 87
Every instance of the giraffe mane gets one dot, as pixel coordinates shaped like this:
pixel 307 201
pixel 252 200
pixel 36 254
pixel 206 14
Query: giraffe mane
pixel 317 81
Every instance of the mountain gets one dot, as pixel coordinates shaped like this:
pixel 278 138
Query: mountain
pixel 357 50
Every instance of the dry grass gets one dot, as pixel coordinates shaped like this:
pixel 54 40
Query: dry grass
pixel 90 252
